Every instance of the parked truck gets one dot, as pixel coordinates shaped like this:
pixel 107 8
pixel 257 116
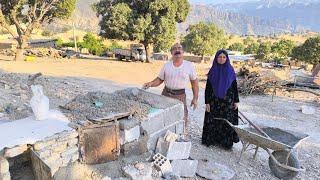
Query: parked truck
pixel 135 53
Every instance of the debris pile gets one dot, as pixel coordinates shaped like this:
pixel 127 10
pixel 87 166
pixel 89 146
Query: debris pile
pixel 94 105
pixel 255 83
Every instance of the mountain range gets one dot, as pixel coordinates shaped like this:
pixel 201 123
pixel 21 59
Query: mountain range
pixel 257 17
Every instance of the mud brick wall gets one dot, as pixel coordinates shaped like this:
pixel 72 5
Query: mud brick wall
pixel 57 151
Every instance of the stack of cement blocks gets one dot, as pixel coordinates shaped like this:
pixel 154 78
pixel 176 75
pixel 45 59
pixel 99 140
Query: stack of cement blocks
pixel 178 153
pixel 138 136
pixel 56 151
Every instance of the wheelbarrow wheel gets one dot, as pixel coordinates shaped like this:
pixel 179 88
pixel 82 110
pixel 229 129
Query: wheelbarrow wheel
pixel 281 172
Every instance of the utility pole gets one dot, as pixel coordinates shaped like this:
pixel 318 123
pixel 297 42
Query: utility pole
pixel 74 38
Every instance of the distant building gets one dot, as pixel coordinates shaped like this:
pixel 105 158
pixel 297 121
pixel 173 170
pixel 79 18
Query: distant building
pixel 35 43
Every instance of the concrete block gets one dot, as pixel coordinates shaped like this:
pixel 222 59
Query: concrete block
pixel 4 165
pixel 136 147
pixel 153 124
pixel 63 136
pixel 162 146
pixel 180 127
pixel 173 114
pixel 162 164
pixel 5 176
pixel 129 135
pixel 128 123
pixel 153 138
pixel 184 168
pixel 179 150
pixel 15 151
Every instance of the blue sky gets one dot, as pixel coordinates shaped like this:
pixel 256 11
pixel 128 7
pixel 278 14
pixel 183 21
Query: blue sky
pixel 217 1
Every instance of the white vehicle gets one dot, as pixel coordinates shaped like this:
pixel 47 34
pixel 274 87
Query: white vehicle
pixel 136 53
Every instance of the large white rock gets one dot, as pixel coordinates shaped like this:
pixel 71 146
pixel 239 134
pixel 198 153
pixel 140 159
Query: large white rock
pixel 214 171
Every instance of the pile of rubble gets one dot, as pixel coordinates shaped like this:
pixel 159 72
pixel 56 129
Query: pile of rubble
pixel 254 83
pixel 42 52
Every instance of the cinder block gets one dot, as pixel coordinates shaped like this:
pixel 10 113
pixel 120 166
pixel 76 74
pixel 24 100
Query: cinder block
pixel 184 168
pixel 4 165
pixel 153 124
pixel 5 176
pixel 153 138
pixel 136 147
pixel 15 151
pixel 162 164
pixel 162 146
pixel 179 150
pixel 173 114
pixel 129 135
pixel 128 123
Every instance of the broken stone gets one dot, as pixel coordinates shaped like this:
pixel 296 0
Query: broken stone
pixel 179 150
pixel 130 135
pixel 211 170
pixel 162 146
pixel 184 168
pixel 170 136
pixel 171 176
pixel 134 173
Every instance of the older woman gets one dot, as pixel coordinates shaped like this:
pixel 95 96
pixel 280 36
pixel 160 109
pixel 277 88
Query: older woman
pixel 221 98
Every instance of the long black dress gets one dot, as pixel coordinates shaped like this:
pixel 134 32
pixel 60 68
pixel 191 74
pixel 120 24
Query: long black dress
pixel 218 132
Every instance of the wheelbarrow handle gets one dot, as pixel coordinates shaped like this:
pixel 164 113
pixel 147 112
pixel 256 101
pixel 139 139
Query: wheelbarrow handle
pixel 223 119
pixel 254 125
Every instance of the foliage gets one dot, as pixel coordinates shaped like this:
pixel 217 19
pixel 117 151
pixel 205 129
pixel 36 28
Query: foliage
pixel 251 48
pixel 93 44
pixel 309 51
pixel 282 50
pixel 204 39
pixel 248 41
pixel 114 45
pixel 264 51
pixel 59 43
pixel 236 47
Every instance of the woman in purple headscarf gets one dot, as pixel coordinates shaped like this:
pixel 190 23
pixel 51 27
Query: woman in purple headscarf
pixel 221 98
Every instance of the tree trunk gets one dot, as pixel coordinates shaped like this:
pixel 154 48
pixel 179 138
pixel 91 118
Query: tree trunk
pixel 148 53
pixel 22 44
pixel 316 70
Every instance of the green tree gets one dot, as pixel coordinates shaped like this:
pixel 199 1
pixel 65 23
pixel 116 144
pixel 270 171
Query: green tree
pixel 251 48
pixel 282 50
pixel 93 44
pixel 264 51
pixel 26 15
pixel 309 51
pixel 236 47
pixel 204 39
pixel 247 41
pixel 149 22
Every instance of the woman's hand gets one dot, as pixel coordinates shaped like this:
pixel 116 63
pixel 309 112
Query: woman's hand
pixel 235 106
pixel 207 107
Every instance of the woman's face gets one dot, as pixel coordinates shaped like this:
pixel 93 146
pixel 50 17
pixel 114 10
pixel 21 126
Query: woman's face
pixel 222 58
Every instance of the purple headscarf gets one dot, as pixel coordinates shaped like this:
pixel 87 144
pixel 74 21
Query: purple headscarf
pixel 221 76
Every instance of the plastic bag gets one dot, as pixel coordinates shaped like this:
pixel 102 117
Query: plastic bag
pixel 39 103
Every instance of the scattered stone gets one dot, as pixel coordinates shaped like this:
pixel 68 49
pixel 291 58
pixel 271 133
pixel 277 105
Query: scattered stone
pixel 162 146
pixel 170 136
pixel 179 150
pixel 134 173
pixel 184 168
pixel 171 176
pixel 214 171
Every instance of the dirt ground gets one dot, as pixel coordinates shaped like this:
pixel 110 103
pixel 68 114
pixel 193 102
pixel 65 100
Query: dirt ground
pixel 67 78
